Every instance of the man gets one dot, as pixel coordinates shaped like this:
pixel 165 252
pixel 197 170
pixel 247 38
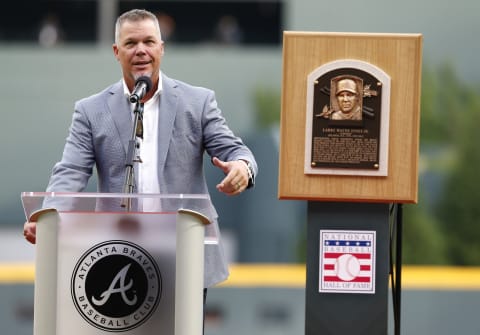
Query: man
pixel 347 96
pixel 180 122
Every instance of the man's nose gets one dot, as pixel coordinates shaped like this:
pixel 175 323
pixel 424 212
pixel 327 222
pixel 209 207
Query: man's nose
pixel 141 47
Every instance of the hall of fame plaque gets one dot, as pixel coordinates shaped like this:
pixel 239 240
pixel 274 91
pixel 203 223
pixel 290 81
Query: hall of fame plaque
pixel 348 108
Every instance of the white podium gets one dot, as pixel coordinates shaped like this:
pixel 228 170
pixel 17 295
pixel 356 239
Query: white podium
pixel 100 269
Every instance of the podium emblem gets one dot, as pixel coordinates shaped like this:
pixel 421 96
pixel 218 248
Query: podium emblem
pixel 116 286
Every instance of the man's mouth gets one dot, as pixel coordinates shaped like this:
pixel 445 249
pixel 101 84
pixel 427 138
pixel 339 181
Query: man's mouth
pixel 141 63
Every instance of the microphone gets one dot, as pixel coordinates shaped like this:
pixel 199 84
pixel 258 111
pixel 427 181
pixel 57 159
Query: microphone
pixel 142 85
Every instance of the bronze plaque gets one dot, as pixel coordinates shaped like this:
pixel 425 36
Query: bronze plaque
pixel 345 119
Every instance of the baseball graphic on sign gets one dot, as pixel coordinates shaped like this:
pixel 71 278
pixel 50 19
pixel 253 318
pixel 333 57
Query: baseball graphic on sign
pixel 347 267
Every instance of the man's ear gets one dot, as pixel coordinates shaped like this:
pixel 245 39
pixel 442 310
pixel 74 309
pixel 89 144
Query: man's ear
pixel 115 51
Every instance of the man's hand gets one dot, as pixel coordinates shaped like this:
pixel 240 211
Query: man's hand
pixel 236 176
pixel 30 231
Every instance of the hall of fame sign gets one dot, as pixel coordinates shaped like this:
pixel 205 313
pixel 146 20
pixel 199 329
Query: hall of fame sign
pixel 347 261
pixel 347 123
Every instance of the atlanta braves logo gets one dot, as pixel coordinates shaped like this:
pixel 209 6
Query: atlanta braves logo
pixel 116 286
pixel 122 289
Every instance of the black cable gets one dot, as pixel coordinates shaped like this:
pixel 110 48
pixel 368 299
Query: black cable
pixel 392 272
pixel 398 266
pixel 396 217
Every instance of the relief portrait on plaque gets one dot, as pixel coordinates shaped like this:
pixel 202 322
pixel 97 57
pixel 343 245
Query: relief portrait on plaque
pixel 345 98
pixel 346 111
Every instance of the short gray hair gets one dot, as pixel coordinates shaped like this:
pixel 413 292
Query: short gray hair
pixel 135 15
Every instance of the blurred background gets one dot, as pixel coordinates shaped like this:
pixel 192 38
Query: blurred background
pixel 53 53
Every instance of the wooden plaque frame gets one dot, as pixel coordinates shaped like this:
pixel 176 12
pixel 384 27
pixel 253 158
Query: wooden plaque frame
pixel 398 55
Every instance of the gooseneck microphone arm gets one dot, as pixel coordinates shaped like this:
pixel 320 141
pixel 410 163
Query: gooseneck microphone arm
pixel 143 84
pixel 133 146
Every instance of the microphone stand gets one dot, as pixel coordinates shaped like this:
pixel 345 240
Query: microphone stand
pixel 129 184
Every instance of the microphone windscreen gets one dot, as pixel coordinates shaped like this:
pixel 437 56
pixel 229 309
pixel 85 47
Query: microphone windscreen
pixel 146 80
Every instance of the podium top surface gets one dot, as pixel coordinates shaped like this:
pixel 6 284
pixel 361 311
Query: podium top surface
pixel 112 202
pixel 113 195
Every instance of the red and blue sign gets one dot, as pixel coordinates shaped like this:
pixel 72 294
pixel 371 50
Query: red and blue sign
pixel 347 261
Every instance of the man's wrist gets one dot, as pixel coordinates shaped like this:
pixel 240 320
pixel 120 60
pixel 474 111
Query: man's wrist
pixel 251 173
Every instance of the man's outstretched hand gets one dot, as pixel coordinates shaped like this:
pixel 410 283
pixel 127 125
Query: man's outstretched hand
pixel 236 176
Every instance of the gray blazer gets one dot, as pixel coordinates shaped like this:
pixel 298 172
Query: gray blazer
pixel 189 124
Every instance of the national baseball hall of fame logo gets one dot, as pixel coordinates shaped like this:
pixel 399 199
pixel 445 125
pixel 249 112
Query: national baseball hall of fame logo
pixel 116 286
pixel 347 261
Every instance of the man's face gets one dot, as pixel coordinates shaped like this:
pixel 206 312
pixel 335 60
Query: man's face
pixel 346 101
pixel 139 50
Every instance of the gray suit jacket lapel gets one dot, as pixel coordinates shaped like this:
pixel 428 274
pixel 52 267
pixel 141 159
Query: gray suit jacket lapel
pixel 166 118
pixel 121 113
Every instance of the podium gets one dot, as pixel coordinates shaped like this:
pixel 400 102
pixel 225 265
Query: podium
pixel 100 269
